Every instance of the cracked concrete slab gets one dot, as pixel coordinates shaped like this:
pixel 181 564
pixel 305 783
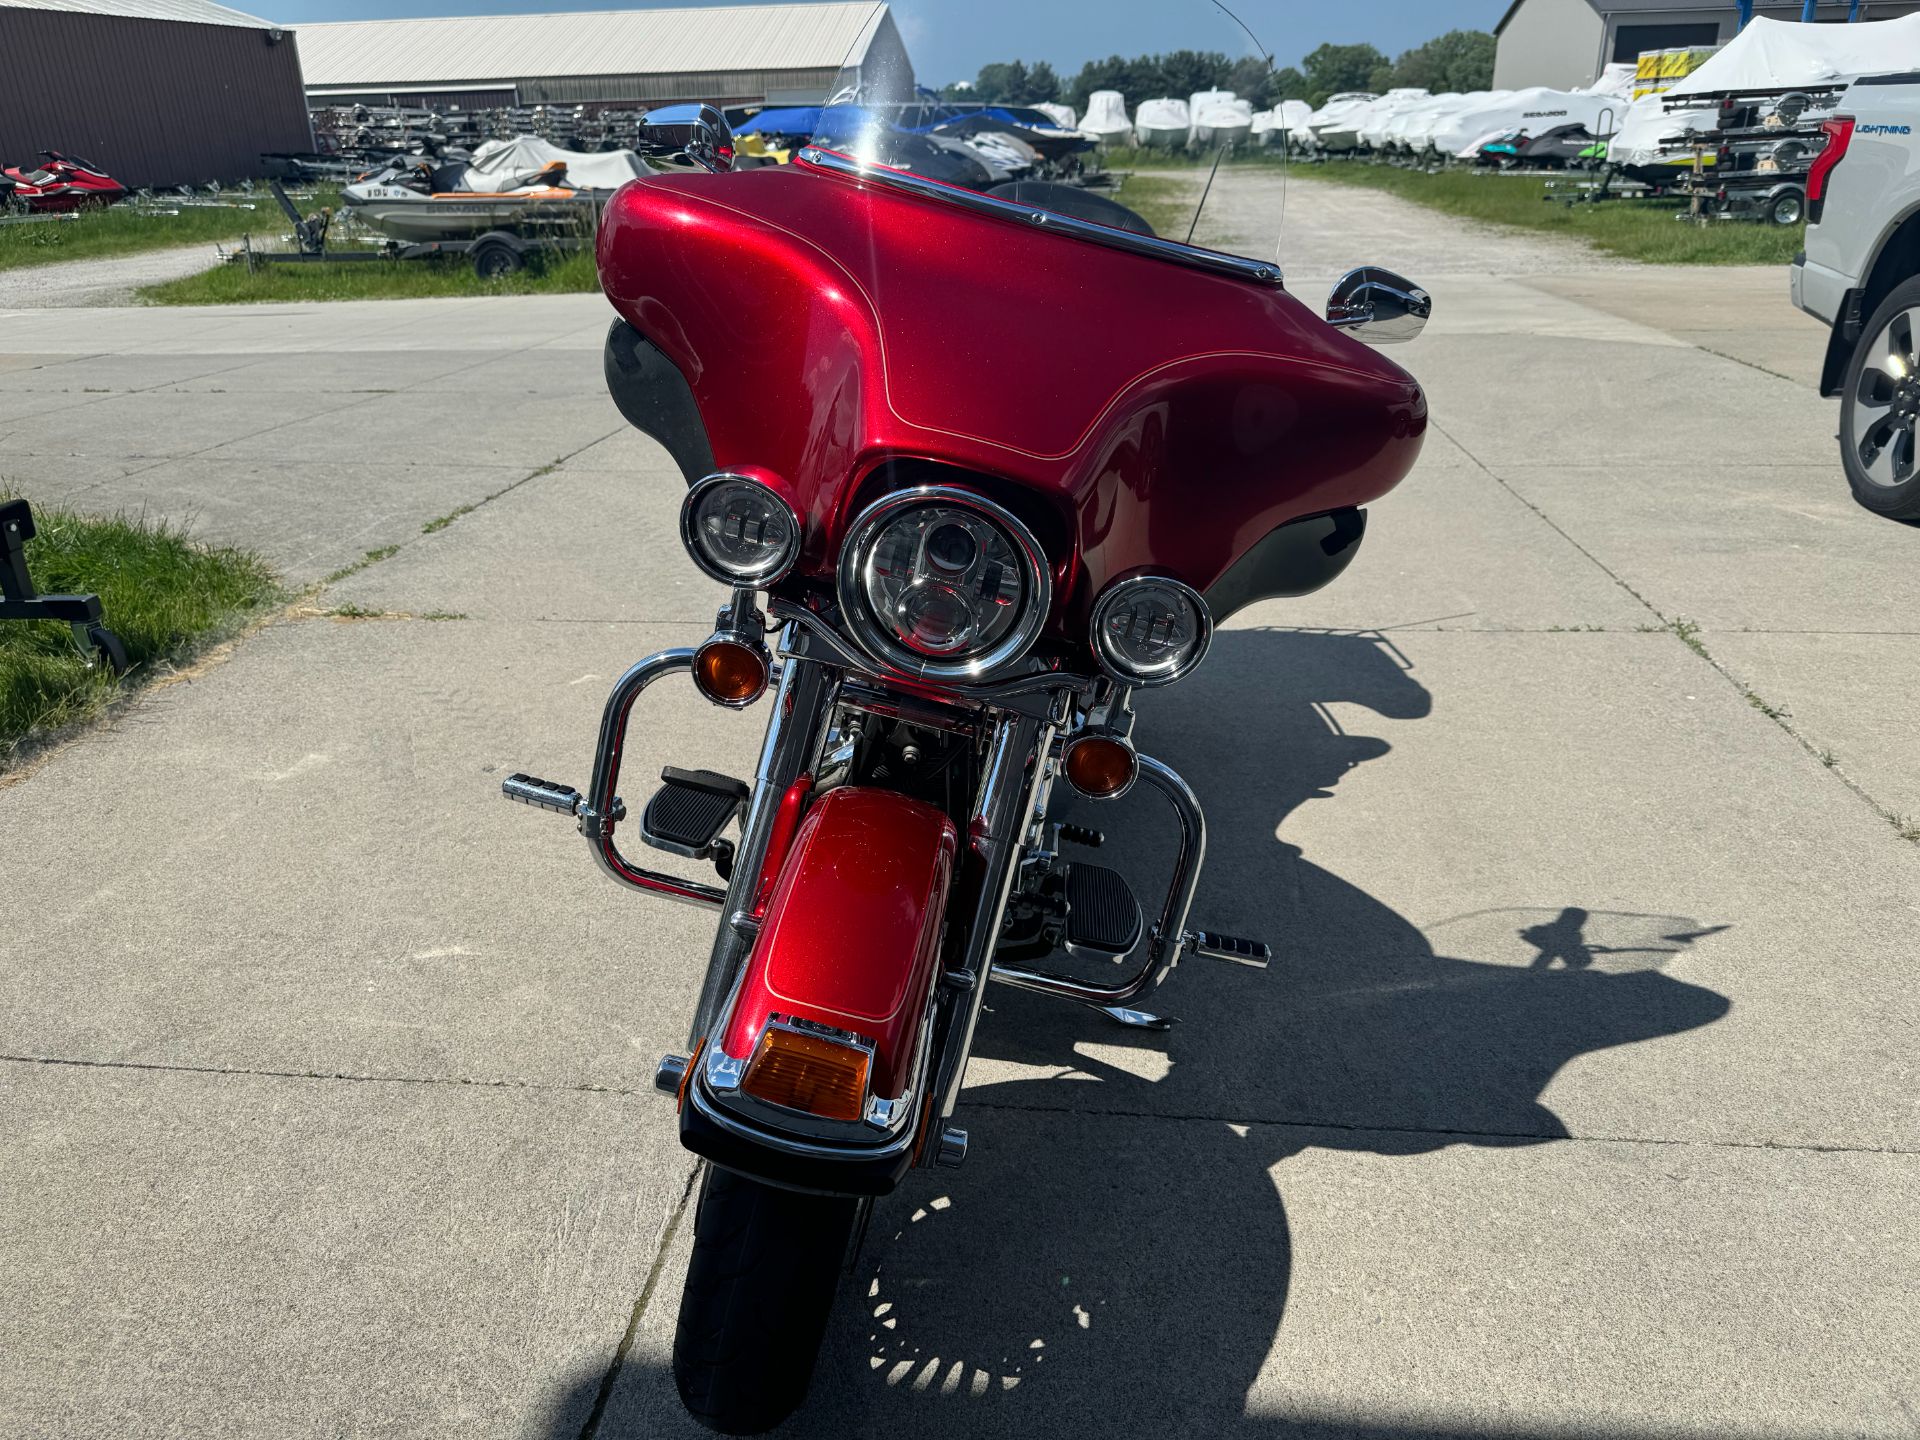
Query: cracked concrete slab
pixel 1586 1290
pixel 343 888
pixel 196 1254
pixel 1849 696
pixel 579 546
pixel 1734 547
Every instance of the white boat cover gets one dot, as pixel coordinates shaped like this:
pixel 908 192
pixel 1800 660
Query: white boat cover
pixel 1787 55
pixel 1061 115
pixel 1339 113
pixel 1164 122
pixel 1106 117
pixel 1292 115
pixel 498 163
pixel 1223 120
pixel 1413 126
pixel 1647 125
pixel 1372 124
pixel 1264 124
pixel 1536 111
pixel 1616 80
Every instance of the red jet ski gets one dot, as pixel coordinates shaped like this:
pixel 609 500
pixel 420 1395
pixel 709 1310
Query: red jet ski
pixel 63 183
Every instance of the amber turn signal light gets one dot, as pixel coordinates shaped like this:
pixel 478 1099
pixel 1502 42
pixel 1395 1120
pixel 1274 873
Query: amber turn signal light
pixel 730 673
pixel 808 1072
pixel 1099 766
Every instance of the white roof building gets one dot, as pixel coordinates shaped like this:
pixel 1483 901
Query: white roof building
pixel 727 54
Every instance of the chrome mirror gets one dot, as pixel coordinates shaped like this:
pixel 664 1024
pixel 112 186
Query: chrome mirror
pixel 692 138
pixel 1378 306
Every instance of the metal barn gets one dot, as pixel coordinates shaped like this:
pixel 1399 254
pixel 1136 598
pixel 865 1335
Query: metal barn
pixel 731 55
pixel 157 92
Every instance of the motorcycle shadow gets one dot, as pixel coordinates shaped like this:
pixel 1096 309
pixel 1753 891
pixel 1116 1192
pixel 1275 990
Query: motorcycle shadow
pixel 1115 1257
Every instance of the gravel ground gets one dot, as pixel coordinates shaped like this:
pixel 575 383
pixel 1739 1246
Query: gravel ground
pixel 1323 229
pixel 99 282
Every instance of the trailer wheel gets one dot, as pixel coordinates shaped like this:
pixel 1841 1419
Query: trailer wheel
pixel 496 259
pixel 1788 208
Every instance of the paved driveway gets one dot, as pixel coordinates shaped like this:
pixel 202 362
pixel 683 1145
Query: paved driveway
pixel 1580 1101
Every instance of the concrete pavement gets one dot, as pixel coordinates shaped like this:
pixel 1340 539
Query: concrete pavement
pixel 1579 1103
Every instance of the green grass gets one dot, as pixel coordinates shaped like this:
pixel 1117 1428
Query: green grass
pixel 124 230
pixel 1163 201
pixel 233 283
pixel 166 597
pixel 1633 229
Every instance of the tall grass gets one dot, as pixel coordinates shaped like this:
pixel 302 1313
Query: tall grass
pixel 1647 230
pixel 163 595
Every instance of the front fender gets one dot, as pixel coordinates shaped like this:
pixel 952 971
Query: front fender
pixel 851 936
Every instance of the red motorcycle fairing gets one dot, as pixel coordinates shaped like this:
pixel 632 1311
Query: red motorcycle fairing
pixel 851 936
pixel 1170 418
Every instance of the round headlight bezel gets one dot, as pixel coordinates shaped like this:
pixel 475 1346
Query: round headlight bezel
pixel 878 640
pixel 1120 592
pixel 758 577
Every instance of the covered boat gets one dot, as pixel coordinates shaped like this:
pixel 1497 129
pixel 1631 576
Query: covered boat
pixel 1780 55
pixel 1061 115
pixel 1106 119
pixel 1197 102
pixel 1651 143
pixel 519 184
pixel 1373 125
pixel 1223 122
pixel 1336 124
pixel 1410 130
pixel 1164 123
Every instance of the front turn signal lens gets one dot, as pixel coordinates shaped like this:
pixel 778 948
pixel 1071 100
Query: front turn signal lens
pixel 809 1073
pixel 1100 767
pixel 730 673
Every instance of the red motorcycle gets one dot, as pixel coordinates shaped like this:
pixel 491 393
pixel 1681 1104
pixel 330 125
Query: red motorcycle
pixel 64 183
pixel 983 465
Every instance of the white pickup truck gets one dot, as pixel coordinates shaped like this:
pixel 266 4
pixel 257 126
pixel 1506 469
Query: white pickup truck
pixel 1860 273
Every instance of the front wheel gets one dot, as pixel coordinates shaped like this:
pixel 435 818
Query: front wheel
pixel 765 1265
pixel 1880 408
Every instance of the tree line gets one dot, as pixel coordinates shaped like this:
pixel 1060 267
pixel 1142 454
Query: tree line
pixel 1459 60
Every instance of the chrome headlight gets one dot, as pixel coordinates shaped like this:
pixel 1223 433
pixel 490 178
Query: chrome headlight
pixel 1150 630
pixel 943 584
pixel 740 531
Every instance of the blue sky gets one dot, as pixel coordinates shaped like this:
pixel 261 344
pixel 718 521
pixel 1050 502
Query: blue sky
pixel 984 30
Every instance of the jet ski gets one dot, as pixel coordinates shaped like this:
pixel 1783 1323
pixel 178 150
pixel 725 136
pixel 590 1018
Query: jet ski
pixel 1556 148
pixel 64 183
pixel 508 185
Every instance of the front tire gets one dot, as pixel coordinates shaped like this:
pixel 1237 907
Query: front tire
pixel 765 1265
pixel 1880 408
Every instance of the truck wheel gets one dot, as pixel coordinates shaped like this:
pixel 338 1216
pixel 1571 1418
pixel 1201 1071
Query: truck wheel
pixel 1880 408
pixel 495 259
pixel 765 1265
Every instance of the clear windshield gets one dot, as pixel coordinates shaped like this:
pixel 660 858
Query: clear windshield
pixel 1164 119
